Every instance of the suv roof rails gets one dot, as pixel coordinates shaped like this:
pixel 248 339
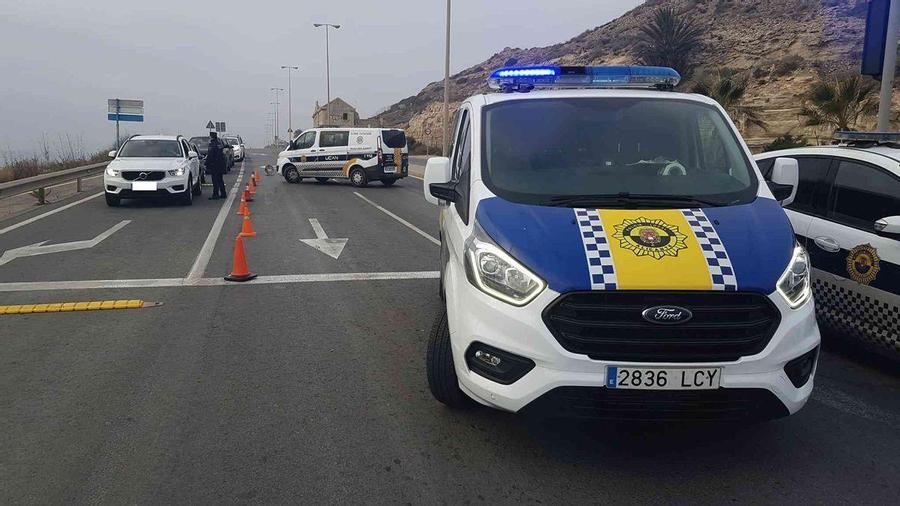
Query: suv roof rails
pixel 867 139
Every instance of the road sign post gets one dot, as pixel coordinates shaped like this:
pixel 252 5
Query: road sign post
pixel 124 110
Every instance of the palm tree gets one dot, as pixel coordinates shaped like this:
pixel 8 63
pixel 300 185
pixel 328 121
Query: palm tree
pixel 839 102
pixel 727 87
pixel 669 40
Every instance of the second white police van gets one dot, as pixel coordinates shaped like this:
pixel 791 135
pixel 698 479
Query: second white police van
pixel 358 154
pixel 610 249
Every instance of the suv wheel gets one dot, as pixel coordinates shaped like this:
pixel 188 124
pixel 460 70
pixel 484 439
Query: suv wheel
pixel 291 174
pixel 187 196
pixel 442 380
pixel 197 189
pixel 358 177
pixel 113 200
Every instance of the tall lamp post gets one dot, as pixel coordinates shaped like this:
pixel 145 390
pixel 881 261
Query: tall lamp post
pixel 290 101
pixel 327 67
pixel 276 90
pixel 446 121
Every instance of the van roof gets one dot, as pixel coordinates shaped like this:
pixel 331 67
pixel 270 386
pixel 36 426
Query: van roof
pixel 494 98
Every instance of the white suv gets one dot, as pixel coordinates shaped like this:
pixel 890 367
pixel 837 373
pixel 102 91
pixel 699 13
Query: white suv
pixel 153 165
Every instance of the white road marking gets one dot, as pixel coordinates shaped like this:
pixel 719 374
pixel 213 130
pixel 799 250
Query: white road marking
pixel 331 247
pixel 183 282
pixel 401 220
pixel 206 251
pixel 39 249
pixel 48 213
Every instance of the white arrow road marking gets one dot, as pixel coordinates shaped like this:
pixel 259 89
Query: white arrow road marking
pixel 39 249
pixel 331 247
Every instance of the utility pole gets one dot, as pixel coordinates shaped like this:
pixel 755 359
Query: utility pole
pixel 446 144
pixel 290 102
pixel 118 145
pixel 276 90
pixel 890 64
pixel 327 69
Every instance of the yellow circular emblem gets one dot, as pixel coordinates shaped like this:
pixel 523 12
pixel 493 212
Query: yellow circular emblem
pixel 653 238
pixel 863 263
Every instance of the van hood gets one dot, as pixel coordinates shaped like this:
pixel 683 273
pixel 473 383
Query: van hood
pixel 734 248
pixel 147 163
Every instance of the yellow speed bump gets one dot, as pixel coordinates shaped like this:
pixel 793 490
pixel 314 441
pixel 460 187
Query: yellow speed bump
pixel 61 307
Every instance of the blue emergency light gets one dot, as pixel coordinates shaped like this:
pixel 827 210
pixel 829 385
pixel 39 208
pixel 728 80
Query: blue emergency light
pixel 524 79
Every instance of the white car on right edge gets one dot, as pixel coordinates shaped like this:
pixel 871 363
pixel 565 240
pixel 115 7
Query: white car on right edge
pixel 847 214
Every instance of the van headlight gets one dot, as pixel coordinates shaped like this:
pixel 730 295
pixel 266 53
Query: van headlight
pixel 112 172
pixel 496 273
pixel 794 284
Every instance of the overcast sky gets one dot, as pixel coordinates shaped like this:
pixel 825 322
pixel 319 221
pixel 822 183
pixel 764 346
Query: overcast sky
pixel 193 61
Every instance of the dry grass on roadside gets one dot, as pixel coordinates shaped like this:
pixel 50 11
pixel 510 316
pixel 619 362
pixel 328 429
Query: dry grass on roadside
pixel 67 153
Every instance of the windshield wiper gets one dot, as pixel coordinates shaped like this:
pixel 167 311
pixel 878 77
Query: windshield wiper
pixel 625 198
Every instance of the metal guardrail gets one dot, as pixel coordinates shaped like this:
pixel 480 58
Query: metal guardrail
pixel 28 184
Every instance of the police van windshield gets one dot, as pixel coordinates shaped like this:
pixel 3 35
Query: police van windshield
pixel 138 148
pixel 617 152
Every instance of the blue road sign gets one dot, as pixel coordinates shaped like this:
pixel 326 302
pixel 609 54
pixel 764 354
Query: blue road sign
pixel 125 117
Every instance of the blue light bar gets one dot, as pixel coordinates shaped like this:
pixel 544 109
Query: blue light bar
pixel 602 76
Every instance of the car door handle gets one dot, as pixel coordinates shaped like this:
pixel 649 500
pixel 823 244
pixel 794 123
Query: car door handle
pixel 828 244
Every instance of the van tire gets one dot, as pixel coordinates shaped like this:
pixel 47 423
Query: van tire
pixel 291 174
pixel 113 200
pixel 442 380
pixel 389 181
pixel 358 177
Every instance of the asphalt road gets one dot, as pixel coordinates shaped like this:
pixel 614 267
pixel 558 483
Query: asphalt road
pixel 309 385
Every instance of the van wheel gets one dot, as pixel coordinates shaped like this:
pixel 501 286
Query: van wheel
pixel 358 177
pixel 389 182
pixel 291 174
pixel 442 380
pixel 322 179
pixel 113 200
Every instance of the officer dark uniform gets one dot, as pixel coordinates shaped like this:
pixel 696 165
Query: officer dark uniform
pixel 215 165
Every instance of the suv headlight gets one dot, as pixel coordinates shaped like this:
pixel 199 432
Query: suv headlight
pixel 112 172
pixel 496 273
pixel 177 172
pixel 794 284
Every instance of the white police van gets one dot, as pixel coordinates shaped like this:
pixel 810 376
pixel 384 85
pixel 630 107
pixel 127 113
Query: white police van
pixel 358 154
pixel 610 249
pixel 847 213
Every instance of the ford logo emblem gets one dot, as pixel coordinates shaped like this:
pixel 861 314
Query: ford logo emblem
pixel 667 315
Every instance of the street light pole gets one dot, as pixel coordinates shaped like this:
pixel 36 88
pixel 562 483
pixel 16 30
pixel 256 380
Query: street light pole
pixel 887 70
pixel 276 90
pixel 327 68
pixel 446 121
pixel 290 102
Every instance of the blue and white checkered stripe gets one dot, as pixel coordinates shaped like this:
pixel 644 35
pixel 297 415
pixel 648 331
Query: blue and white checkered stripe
pixel 720 268
pixel 596 249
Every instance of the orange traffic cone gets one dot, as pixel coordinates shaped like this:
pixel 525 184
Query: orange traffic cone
pixel 251 188
pixel 247 228
pixel 239 269
pixel 247 197
pixel 243 210
pixel 258 179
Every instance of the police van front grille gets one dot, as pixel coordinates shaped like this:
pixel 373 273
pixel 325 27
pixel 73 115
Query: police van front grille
pixel 607 325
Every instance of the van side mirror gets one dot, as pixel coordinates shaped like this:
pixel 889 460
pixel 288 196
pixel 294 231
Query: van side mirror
pixel 785 178
pixel 437 175
pixel 888 226
pixel 112 154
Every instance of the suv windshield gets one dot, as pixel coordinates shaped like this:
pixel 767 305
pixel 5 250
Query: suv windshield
pixel 232 141
pixel 150 148
pixel 201 142
pixel 615 152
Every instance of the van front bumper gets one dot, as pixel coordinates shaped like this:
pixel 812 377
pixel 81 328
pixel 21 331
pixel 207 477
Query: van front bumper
pixel 758 384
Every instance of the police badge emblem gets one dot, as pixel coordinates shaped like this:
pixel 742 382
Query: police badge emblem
pixel 863 263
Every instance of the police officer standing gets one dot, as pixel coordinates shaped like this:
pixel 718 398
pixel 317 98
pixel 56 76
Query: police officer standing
pixel 215 165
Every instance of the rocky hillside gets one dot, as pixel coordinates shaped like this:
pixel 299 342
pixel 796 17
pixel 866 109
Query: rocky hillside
pixel 783 44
